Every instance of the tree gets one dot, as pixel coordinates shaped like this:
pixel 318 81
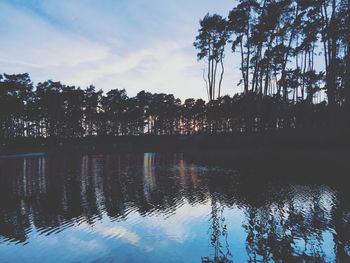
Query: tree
pixel 15 94
pixel 92 100
pixel 114 106
pixel 51 106
pixel 240 21
pixel 210 43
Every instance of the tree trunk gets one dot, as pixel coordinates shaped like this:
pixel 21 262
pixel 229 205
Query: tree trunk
pixel 332 47
pixel 222 74
pixel 242 68
pixel 285 61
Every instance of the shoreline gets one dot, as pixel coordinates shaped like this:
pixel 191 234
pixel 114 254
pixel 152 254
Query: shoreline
pixel 283 148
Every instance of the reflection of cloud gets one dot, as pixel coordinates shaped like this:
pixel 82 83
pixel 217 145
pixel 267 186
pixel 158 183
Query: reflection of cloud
pixel 86 244
pixel 119 232
pixel 106 231
pixel 178 226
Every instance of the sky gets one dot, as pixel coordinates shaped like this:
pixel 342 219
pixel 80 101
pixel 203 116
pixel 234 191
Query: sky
pixel 125 44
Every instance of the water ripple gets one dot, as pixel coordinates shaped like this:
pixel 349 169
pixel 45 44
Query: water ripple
pixel 160 206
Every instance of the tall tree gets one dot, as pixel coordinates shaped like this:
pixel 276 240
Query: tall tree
pixel 240 21
pixel 210 42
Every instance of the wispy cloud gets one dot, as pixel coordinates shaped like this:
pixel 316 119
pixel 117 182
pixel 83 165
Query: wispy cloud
pixel 28 38
pixel 134 45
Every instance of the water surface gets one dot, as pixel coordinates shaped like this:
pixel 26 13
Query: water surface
pixel 159 208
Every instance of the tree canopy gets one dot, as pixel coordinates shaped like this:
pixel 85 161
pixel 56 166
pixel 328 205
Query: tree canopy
pixel 293 49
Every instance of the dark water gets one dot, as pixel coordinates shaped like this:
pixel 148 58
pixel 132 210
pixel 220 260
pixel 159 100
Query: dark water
pixel 159 208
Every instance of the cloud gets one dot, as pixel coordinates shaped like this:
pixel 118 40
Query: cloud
pixel 155 68
pixel 36 43
pixel 31 44
pixel 136 45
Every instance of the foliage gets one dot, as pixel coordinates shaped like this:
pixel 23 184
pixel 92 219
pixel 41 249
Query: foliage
pixel 294 49
pixel 52 109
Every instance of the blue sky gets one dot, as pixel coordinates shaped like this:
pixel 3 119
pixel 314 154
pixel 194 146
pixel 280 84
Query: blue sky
pixel 131 44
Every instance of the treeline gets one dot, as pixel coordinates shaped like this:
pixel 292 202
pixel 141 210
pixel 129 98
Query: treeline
pixel 51 109
pixel 296 50
pixel 294 63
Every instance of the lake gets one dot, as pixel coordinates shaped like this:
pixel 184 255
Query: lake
pixel 156 207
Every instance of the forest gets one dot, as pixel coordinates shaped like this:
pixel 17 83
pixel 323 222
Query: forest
pixel 294 64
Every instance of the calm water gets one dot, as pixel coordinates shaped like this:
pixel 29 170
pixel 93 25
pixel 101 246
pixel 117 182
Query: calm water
pixel 159 208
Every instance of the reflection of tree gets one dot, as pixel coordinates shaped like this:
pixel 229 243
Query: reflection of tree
pixel 282 231
pixel 341 221
pixel 218 230
pixel 51 191
pixel 267 238
pixel 281 223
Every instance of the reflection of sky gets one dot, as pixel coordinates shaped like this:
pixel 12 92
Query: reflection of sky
pixel 179 237
pixel 178 234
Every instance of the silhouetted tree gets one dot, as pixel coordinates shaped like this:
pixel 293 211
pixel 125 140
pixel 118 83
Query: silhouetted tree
pixel 210 43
